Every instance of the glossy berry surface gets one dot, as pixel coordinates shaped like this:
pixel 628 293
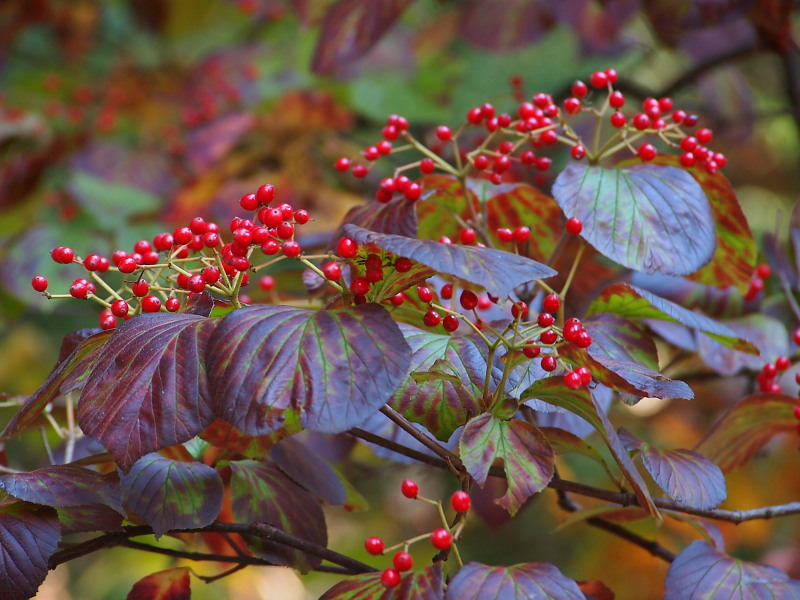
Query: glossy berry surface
pixel 374 545
pixel 441 539
pixel 390 578
pixel 402 561
pixel 460 501
pixel 409 488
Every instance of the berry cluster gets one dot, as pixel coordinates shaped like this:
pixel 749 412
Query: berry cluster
pixel 756 286
pixel 442 538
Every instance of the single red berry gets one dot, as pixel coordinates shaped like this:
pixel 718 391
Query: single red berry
pixel 467 236
pixel 585 375
pixel 704 135
pixel 572 105
pixel 384 147
pixel 577 152
pixel 107 320
pixel 617 119
pixel 475 115
pixel 431 318
pixel 545 319
pixel 403 561
pixel 447 291
pixel 548 337
pixel 359 171
pixel 182 235
pixel 530 350
pixel 574 226
pixel 79 289
pixel 427 166
pixel 374 275
pixel 460 501
pixel 450 322
pixel 413 192
pixel 616 99
pixel 573 380
pixel 398 299
pixel 519 310
pixel 468 299
pixel 119 308
pixel 163 242
pixel 641 121
pixel 291 248
pixel 687 159
pixel 551 303
pixel 390 578
pixel 374 545
pixel 196 283
pixel 796 336
pixel 481 162
pixel 248 202
pixel 441 539
pixel 346 248
pixel 579 89
pixel 584 339
pixel 150 304
pixel 359 286
pixel 390 133
pixel 172 304
pixel 39 283
pixel 764 271
pixel 443 133
pixel 543 163
pixel 266 193
pixel 127 265
pixel 403 264
pixel 612 75
pixel 332 271
pixel 782 363
pixel 424 293
pixel 267 283
pixel 549 363
pixel 285 230
pixel 505 234
pixel 409 488
pixel 301 216
pixel 521 234
pixel 598 79
pixel 647 152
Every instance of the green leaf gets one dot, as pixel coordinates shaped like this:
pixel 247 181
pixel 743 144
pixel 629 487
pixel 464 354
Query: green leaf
pixel 447 399
pixel 332 369
pixel 565 442
pixel 260 492
pixel 527 581
pixel 636 303
pixel 497 271
pixel 419 584
pixel 169 494
pixel 746 428
pixel 109 202
pixel 553 391
pixel 647 217
pixel 527 459
pixel 172 584
pixel 702 573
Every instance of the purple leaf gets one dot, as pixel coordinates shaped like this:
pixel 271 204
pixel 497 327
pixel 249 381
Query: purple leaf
pixel 350 28
pixel 767 334
pixel 63 485
pixel 331 369
pixel 527 459
pixel 497 271
pixel 702 573
pixel 170 494
pixel 88 517
pixel 396 216
pixel 148 389
pixel 746 428
pixel 29 535
pixel 309 470
pixel 442 405
pixel 647 217
pixel 173 584
pixel 527 581
pixel 420 584
pixel 66 376
pixel 260 492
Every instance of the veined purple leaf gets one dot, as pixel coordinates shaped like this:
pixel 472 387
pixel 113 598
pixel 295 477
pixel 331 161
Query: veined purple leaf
pixel 148 389
pixel 396 216
pixel 440 404
pixel 170 494
pixel 29 535
pixel 583 404
pixel 63 485
pixel 767 334
pixel 527 459
pixel 420 584
pixel 332 369
pixel 622 339
pixel 350 28
pixel 88 517
pixel 307 468
pixel 172 584
pixel 497 271
pixel 636 303
pixel 745 428
pixel 526 581
pixel 702 573
pixel 646 217
pixel 260 492
pixel 69 374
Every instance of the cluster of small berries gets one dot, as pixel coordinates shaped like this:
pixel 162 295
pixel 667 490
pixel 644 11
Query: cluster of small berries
pixel 440 538
pixel 756 286
pixel 769 372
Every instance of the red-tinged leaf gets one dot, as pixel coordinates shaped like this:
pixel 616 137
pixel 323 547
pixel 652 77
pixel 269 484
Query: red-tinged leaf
pixel 526 581
pixel 69 374
pixel 595 590
pixel 766 333
pixel 636 303
pixel 148 389
pixel 169 494
pixel 63 485
pixel 309 470
pixel 350 28
pixel 648 218
pixel 583 404
pixel 88 517
pixel 225 435
pixel 440 404
pixel 419 584
pixel 735 257
pixel 442 200
pixel 527 459
pixel 73 340
pixel 746 428
pixel 504 25
pixel 497 271
pixel 396 216
pixel 395 282
pixel 173 584
pixel 332 369
pixel 685 476
pixel 260 492
pixel 702 573
pixel 520 204
pixel 29 535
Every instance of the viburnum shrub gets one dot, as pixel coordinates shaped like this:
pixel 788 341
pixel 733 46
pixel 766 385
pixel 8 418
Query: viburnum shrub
pixel 464 320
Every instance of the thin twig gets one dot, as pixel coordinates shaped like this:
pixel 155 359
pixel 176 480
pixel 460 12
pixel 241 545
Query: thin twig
pixel 426 441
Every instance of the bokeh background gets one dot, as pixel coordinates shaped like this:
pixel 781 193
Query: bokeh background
pixel 123 118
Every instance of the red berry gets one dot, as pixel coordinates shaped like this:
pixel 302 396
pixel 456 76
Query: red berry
pixel 612 75
pixel 285 230
pixel 346 248
pixel 332 271
pixel 505 234
pixel 577 152
pixel 545 319
pixel 384 147
pixel 703 135
pixel 573 380
pixel 248 202
pixel 641 121
pixel 301 216
pixel 572 105
pixel 548 337
pixel 402 561
pixel 359 171
pixel 796 336
pixel 598 79
pixel 79 289
pixel 291 248
pixel 197 284
pixel 127 265
pixel 441 539
pixel 427 166
pixel 447 291
pixel 403 264
pixel 182 235
pixel 390 578
pixel 647 152
pixel 424 293
pixel 468 299
pixel 579 89
pixel 551 303
pixel 585 375
pixel 409 488
pixel 574 226
pixel 543 163
pixel 617 119
pixel 413 192
pixel 172 304
pixel 519 310
pixel 584 339
pixel 530 350
pixel 266 193
pixel 431 318
pixel 521 234
pixel 107 320
pixel 481 162
pixel 460 501
pixel 443 133
pixel 782 363
pixel 450 322
pixel 150 304
pixel 39 283
pixel 549 363
pixel 374 545
pixel 764 271
pixel 197 226
pixel 468 236
pixel 687 159
pixel 616 99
